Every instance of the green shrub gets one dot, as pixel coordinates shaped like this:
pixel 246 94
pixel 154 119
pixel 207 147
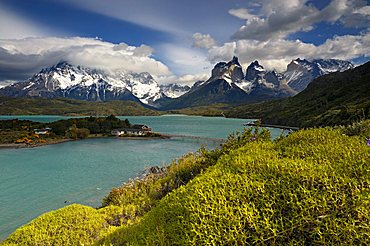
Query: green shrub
pixel 139 196
pixel 310 188
pixel 361 129
pixel 71 225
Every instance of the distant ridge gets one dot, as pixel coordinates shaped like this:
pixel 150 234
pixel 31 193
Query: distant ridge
pixel 332 99
pixel 228 84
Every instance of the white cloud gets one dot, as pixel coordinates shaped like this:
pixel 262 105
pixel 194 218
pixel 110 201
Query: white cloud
pixel 277 19
pixel 277 54
pixel 189 79
pixel 186 79
pixel 26 56
pixel 203 41
pixel 268 24
pixel 241 13
pixel 183 59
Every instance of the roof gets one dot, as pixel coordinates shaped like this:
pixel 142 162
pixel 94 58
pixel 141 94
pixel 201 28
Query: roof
pixel 140 126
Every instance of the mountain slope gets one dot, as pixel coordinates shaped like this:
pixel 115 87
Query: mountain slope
pixel 174 90
pixel 65 106
pixel 336 98
pixel 69 81
pixel 228 84
pixel 219 88
pixel 301 72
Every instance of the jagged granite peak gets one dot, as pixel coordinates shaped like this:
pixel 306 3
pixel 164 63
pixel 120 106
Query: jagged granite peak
pixel 254 72
pixel 78 82
pixel 219 88
pixel 231 71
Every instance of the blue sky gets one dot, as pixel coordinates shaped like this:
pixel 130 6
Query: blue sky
pixel 177 41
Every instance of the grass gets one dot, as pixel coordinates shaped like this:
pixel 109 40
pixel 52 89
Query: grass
pixel 309 188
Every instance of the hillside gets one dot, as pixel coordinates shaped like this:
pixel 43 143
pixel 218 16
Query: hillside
pixel 309 188
pixel 337 98
pixel 63 106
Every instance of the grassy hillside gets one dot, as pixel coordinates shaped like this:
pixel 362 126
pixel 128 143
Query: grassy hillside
pixel 62 106
pixel 311 187
pixel 337 98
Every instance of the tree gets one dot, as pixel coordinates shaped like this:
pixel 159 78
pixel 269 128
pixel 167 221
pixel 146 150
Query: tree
pixel 72 132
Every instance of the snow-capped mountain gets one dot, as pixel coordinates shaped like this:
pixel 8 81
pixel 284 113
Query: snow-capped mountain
pixel 174 90
pixel 301 72
pixel 256 76
pixel 219 88
pixel 66 80
pixel 228 84
pixel 231 72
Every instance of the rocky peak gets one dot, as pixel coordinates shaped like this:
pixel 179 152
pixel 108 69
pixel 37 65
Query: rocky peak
pixel 254 71
pixel 231 71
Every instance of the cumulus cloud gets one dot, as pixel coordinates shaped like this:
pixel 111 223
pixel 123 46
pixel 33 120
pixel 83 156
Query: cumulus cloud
pixel 276 54
pixel 21 58
pixel 241 13
pixel 203 41
pixel 277 19
pixel 190 79
pixel 264 36
pixel 186 79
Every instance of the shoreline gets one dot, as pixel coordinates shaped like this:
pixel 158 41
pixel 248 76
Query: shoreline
pixel 25 146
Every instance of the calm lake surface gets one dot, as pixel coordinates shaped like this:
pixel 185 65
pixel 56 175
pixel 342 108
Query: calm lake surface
pixel 37 180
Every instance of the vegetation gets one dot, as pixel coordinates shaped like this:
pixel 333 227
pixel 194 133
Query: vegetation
pixel 63 106
pixel 209 110
pixel 333 99
pixel 311 187
pixel 23 131
pixel 71 225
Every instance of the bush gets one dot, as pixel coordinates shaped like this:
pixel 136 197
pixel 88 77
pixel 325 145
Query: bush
pixel 309 188
pixel 71 225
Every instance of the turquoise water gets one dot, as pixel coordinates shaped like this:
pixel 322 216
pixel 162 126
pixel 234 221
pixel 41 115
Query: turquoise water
pixel 36 180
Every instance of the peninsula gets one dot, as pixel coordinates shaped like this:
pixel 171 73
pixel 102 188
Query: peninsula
pixel 25 133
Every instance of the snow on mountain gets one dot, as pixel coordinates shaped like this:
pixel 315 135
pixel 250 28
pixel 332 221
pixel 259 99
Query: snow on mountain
pixel 301 72
pixel 66 80
pixel 226 84
pixel 230 72
pixel 174 90
pixel 257 76
pixel 143 86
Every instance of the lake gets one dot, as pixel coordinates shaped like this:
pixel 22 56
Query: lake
pixel 37 180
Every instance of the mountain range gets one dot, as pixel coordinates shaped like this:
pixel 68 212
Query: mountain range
pixel 338 98
pixel 227 84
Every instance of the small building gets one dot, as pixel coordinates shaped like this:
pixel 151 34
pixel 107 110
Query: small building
pixel 144 128
pixel 42 131
pixel 136 130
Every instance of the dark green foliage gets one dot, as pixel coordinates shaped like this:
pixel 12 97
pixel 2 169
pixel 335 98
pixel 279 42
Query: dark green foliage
pixel 71 128
pixel 63 106
pixel 361 129
pixel 96 125
pixel 333 99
